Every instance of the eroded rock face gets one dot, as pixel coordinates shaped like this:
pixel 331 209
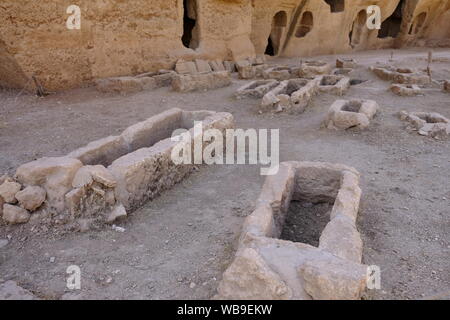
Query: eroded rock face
pixel 230 30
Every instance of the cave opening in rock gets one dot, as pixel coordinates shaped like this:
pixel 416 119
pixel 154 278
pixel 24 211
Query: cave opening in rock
pixel 391 26
pixel 279 24
pixel 306 25
pixel 356 34
pixel 336 5
pixel 190 37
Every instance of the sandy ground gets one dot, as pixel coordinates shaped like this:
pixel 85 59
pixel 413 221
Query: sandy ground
pixel 177 246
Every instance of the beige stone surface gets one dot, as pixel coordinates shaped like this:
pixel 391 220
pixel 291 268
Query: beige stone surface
pixel 250 278
pixel 31 198
pixel 205 81
pixel 330 278
pixel 14 214
pixel 8 191
pixel 55 175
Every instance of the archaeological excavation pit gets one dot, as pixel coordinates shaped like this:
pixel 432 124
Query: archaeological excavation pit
pixel 271 264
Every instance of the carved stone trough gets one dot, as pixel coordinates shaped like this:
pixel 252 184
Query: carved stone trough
pixel 333 84
pixel 256 89
pixel 345 114
pixel 268 268
pixel 107 177
pixel 290 95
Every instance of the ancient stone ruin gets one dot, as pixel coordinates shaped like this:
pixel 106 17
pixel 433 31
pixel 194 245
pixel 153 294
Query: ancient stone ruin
pixel 428 123
pixel 290 95
pixel 407 90
pixel 269 267
pixel 401 75
pixel 108 177
pixel 345 114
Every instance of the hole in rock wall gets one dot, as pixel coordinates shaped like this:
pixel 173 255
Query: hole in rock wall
pixel 279 24
pixel 306 25
pixel 336 5
pixel 358 28
pixel 190 37
pixel 391 26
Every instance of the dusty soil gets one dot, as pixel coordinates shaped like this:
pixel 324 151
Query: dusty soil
pixel 177 246
pixel 305 222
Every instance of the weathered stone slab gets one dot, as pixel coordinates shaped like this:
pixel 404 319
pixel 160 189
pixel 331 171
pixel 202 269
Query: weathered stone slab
pixel 31 198
pixel 55 175
pixel 206 81
pixel 186 67
pixel 203 66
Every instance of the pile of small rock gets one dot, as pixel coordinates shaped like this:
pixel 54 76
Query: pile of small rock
pixel 18 202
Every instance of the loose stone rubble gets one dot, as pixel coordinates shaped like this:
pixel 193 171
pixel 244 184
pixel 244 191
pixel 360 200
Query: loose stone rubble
pixel 256 89
pixel 447 86
pixel 266 268
pixel 407 90
pixel 103 180
pixel 428 123
pixel 311 68
pixel 400 75
pixel 333 84
pixel 345 114
pixel 290 95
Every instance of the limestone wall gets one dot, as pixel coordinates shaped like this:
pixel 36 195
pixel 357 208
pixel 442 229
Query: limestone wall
pixel 120 38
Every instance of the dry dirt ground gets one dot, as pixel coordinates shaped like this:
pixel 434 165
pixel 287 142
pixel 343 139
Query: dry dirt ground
pixel 177 246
